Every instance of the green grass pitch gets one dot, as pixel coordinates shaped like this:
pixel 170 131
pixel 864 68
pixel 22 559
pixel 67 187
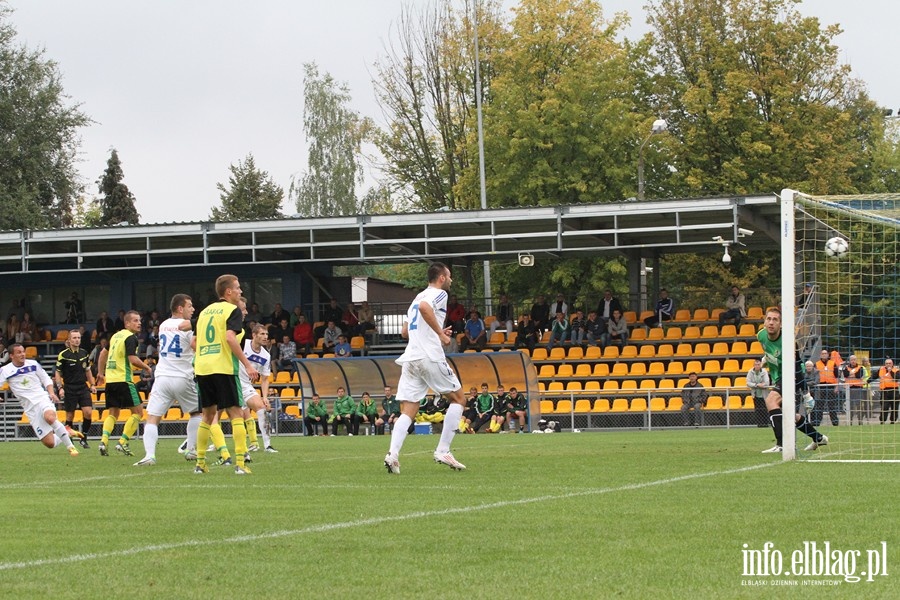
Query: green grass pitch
pixel 662 514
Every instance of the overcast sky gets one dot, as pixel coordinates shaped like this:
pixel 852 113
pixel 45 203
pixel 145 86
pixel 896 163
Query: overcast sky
pixel 185 88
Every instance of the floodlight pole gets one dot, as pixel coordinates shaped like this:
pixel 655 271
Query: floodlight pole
pixel 481 177
pixel 659 126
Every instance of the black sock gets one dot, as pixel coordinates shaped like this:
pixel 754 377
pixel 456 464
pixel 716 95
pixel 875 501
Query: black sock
pixel 68 422
pixel 775 420
pixel 85 427
pixel 806 427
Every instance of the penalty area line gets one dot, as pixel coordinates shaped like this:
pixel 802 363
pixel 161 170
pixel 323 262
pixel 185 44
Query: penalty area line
pixel 324 527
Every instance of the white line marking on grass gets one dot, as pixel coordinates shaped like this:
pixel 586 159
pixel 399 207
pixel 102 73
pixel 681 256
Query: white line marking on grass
pixel 76 558
pixel 69 482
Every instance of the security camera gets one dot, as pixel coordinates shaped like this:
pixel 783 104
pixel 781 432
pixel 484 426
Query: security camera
pixel 726 258
pixel 746 232
pixel 648 269
pixel 526 260
pixel 719 239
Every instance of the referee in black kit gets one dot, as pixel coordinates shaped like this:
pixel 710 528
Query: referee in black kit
pixel 73 373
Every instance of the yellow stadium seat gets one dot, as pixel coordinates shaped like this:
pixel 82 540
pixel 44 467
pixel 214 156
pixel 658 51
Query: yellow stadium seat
pixel 740 382
pixel 638 405
pixel 739 348
pixel 630 316
pixel 656 334
pixel 714 314
pixel 611 352
pixel 715 403
pixel 656 368
pixel 511 337
pixel 628 385
pixel 693 365
pixel 647 351
pixel 705 382
pixel 682 315
pixel 723 382
pixel 619 405
pixel 601 370
pixel 728 331
pixel 719 349
pixel 665 351
pixel 684 350
pixel 735 403
pixel 488 320
pixel 358 342
pixel 691 333
pixel 573 386
pixel 293 409
pixel 611 385
pixel 701 314
pixel 31 352
pixel 657 404
pixel 575 353
pixel 547 372
pixel 755 312
pixel 555 386
pixel 749 402
pixel 637 369
pixel 546 406
pixel 563 407
pixel 288 393
pixel 731 365
pixel 747 364
pixel 748 330
pixel 647 384
pixel 701 349
pixel 675 403
pixel 539 354
pixel 645 314
pixel 675 368
pixel 173 414
pixel 712 366
pixel 592 386
pixel 639 334
pixel 620 370
pixel 601 406
pixel 583 370
pixel 593 353
pixel 62 335
pixel 673 333
pixel 565 371
pixel 756 348
pixel 582 406
pixel 558 353
pixel 666 384
pixel 283 377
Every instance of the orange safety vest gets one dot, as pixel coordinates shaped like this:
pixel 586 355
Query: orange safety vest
pixel 888 378
pixel 853 378
pixel 826 372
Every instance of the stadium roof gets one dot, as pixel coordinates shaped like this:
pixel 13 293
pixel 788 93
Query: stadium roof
pixel 646 229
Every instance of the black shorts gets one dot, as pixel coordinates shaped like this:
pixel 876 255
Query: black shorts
pixel 219 390
pixel 121 394
pixel 77 398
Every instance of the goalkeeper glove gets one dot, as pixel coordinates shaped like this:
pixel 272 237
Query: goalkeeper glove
pixel 808 401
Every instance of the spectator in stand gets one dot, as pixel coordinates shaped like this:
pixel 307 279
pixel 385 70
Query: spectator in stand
pixel 759 384
pixel 889 380
pixel 278 315
pixel 560 306
pixel 27 328
pixel 616 330
pixel 287 352
pixel 334 312
pixel 152 321
pixel 119 324
pixel 826 402
pixel 342 414
pixel 75 309
pixel 526 334
pixel 594 328
pixel 296 313
pixel 559 331
pixel 456 315
pixel 516 409
pixel 693 395
pixel 316 415
pixel 95 353
pixel 484 409
pixel 475 334
pixel 104 326
pixel 254 315
pixel 855 376
pixel 331 336
pixel 12 329
pixel 504 316
pixel 577 328
pixel 366 413
pixel 276 335
pixel 735 308
pixel 350 320
pixel 366 317
pixel 811 378
pixel 540 315
pixel 303 335
pixel 665 309
pixel 390 410
pixel 342 348
pixel 151 342
pixel 607 305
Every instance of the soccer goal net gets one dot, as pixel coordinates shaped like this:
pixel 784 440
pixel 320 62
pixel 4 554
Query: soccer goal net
pixel 841 271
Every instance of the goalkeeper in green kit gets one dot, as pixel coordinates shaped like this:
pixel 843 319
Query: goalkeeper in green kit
pixel 770 338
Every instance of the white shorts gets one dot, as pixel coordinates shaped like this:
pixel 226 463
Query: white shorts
pixel 39 424
pixel 247 391
pixel 166 390
pixel 418 376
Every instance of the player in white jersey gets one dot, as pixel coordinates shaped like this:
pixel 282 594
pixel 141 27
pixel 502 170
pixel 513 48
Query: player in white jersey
pixel 174 380
pixel 33 387
pixel 256 353
pixel 424 366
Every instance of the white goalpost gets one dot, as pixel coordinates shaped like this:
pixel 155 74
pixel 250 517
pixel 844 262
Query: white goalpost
pixel 840 271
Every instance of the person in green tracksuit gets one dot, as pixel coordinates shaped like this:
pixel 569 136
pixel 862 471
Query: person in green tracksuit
pixel 344 409
pixel 390 410
pixel 366 413
pixel 484 407
pixel 316 414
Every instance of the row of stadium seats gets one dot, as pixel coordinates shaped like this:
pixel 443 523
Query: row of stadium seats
pixel 173 414
pixel 671 333
pixel 634 385
pixel 647 351
pixel 731 366
pixel 656 404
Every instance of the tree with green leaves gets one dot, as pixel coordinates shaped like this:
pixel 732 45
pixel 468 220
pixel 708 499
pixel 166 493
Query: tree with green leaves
pixel 335 133
pixel 251 194
pixel 757 100
pixel 38 137
pixel 117 203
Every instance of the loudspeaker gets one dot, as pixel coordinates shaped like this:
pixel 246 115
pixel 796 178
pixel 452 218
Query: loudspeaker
pixel 526 260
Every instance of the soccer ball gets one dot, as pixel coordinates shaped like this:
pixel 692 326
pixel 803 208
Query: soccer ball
pixel 836 247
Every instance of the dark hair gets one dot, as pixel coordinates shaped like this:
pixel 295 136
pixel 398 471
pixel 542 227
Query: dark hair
pixel 435 270
pixel 12 346
pixel 178 300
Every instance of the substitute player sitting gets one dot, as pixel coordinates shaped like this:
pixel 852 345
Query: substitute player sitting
pixel 33 387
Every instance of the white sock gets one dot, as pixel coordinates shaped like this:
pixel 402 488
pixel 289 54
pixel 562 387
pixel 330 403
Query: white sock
pixel 263 430
pixel 151 435
pixel 193 427
pixel 56 440
pixel 451 421
pixel 63 436
pixel 398 433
